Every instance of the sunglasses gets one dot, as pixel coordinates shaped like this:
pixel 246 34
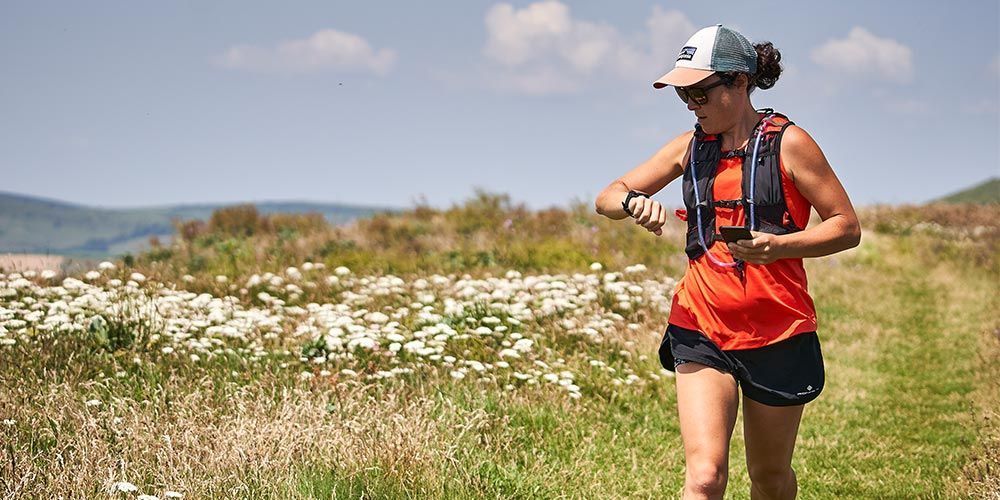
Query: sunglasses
pixel 697 94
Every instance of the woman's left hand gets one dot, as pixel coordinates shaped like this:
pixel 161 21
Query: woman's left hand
pixel 764 248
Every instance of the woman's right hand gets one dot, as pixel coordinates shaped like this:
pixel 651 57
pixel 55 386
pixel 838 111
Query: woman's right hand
pixel 648 213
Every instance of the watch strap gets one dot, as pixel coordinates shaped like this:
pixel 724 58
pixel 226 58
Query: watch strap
pixel 631 194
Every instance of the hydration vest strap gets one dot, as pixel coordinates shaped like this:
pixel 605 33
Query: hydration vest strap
pixel 699 205
pixel 764 210
pixel 727 203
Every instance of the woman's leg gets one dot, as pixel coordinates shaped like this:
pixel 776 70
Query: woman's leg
pixel 769 432
pixel 707 403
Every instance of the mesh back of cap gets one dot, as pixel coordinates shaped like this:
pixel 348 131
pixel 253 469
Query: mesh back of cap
pixel 733 52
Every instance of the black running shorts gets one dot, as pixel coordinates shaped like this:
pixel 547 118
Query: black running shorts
pixel 786 373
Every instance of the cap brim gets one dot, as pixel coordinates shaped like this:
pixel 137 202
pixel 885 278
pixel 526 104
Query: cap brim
pixel 682 77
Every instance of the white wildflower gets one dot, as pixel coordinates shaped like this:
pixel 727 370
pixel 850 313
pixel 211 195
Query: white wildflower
pixel 376 317
pixel 363 342
pixel 523 345
pixel 124 487
pixel 638 268
pixel 509 353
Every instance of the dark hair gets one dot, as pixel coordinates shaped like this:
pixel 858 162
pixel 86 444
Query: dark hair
pixel 768 66
pixel 768 69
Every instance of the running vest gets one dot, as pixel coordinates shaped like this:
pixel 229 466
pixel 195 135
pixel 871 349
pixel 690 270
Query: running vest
pixel 770 213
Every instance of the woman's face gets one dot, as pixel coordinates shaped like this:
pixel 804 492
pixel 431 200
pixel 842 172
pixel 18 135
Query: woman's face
pixel 721 109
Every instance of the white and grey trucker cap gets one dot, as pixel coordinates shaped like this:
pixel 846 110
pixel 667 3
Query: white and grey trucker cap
pixel 711 49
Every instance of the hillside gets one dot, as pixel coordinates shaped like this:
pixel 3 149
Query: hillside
pixel 986 192
pixel 36 225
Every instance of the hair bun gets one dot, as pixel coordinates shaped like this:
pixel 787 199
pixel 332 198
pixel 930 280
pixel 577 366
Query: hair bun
pixel 768 65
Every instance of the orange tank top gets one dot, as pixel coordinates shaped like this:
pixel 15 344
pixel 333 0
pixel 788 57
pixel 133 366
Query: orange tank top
pixel 771 305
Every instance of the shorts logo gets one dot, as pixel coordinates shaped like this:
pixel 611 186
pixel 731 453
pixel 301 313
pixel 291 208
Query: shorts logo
pixel 687 53
pixel 809 389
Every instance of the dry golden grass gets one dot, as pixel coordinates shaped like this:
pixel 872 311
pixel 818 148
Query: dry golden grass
pixel 20 262
pixel 982 473
pixel 250 445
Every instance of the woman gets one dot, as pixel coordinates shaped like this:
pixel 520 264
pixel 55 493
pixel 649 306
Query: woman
pixel 742 318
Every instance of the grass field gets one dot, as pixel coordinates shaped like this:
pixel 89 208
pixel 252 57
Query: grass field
pixel 463 360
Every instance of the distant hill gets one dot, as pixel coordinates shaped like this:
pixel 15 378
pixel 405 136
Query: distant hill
pixel 986 192
pixel 37 225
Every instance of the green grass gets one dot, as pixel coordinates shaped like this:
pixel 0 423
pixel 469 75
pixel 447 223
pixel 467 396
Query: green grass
pixel 893 422
pixel 906 429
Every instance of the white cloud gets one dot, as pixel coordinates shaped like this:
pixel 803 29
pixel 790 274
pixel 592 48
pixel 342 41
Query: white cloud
pixel 542 49
pixel 668 30
pixel 864 54
pixel 516 36
pixel 323 50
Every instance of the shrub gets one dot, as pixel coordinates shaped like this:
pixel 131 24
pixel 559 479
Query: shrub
pixel 238 220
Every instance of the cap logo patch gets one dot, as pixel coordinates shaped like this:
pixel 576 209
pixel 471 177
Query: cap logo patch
pixel 687 53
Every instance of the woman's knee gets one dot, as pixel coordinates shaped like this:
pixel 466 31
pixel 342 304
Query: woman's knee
pixel 706 478
pixel 771 479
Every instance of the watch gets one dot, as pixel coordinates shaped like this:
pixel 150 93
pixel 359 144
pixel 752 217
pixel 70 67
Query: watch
pixel 631 194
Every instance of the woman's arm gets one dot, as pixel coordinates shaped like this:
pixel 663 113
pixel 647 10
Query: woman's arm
pixel 814 178
pixel 649 177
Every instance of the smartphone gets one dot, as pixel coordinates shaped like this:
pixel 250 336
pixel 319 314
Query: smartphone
pixel 732 234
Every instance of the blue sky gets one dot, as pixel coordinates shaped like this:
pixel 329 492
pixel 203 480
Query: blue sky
pixel 384 103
